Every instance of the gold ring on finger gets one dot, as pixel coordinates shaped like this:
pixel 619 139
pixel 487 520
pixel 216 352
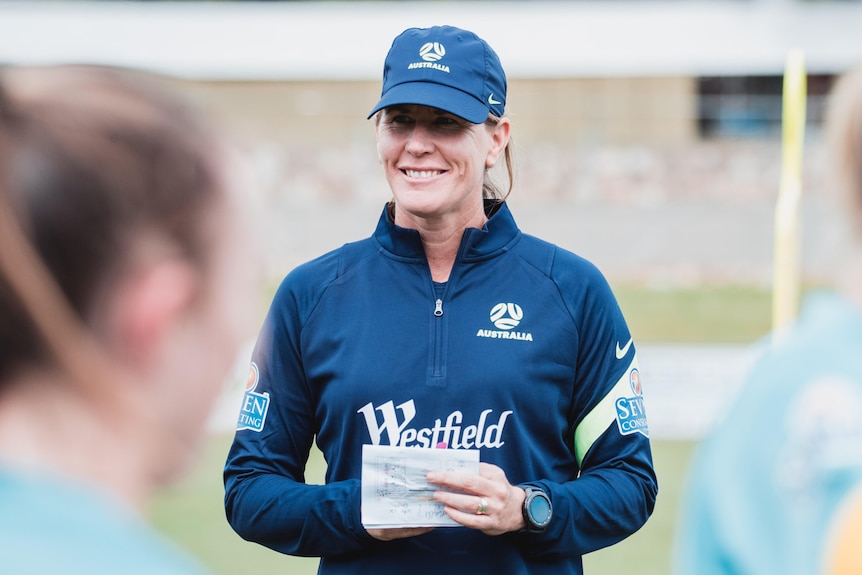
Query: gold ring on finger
pixel 483 506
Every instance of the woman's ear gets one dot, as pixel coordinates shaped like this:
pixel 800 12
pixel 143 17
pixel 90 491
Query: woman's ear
pixel 147 306
pixel 499 140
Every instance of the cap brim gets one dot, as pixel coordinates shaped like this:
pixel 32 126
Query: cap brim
pixel 437 96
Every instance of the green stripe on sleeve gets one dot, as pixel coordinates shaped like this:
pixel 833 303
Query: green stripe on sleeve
pixel 602 415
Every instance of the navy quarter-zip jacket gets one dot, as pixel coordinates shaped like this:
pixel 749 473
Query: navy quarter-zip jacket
pixel 523 354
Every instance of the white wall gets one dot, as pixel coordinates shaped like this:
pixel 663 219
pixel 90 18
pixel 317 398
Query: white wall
pixel 348 40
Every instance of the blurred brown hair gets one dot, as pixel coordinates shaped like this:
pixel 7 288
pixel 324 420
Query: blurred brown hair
pixel 92 158
pixel 844 141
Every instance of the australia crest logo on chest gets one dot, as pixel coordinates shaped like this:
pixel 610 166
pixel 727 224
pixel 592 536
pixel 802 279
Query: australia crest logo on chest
pixel 505 317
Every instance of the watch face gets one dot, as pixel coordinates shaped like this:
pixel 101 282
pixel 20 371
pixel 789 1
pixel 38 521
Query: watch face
pixel 539 509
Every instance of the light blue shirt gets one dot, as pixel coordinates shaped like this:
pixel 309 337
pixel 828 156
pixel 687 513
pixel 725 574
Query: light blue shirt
pixel 49 527
pixel 764 488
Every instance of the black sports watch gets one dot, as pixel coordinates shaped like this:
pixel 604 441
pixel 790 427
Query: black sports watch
pixel 537 509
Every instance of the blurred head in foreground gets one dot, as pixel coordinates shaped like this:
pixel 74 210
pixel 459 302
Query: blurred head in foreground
pixel 776 487
pixel 124 280
pixel 841 553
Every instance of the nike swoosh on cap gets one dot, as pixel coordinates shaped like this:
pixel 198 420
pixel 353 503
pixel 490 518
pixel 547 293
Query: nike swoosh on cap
pixel 491 100
pixel 621 352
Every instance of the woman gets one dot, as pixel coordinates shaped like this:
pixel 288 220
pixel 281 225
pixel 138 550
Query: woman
pixel 777 487
pixel 123 292
pixel 447 328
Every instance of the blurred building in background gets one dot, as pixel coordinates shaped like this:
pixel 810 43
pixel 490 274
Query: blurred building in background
pixel 647 132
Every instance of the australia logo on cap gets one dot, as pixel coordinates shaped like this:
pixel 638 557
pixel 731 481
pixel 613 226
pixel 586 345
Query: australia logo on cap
pixel 252 414
pixel 431 53
pixel 631 417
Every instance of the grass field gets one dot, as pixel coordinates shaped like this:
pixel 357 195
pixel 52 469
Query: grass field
pixel 729 314
pixel 192 512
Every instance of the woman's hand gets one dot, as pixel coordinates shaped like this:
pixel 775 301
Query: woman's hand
pixel 488 501
pixel 397 532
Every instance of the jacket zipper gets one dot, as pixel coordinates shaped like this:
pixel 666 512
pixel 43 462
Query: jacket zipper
pixel 437 366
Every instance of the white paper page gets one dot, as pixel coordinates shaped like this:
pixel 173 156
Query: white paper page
pixel 394 490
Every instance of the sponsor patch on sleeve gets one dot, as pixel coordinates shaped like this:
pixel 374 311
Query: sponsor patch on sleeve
pixel 252 414
pixel 631 416
pixel 623 404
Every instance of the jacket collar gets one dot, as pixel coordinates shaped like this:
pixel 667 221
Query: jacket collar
pixel 495 237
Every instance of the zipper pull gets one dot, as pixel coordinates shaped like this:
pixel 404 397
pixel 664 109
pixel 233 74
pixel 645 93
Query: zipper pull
pixel 438 308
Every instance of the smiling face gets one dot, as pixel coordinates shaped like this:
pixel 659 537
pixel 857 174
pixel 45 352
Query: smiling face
pixel 435 162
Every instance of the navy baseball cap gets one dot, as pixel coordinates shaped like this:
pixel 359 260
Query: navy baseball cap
pixel 447 68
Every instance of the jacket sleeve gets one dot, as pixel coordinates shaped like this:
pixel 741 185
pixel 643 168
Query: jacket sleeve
pixel 266 498
pixel 615 491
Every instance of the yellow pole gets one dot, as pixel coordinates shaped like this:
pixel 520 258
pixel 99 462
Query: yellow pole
pixel 786 270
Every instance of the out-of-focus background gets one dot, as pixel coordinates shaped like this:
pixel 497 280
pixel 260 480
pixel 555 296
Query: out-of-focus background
pixel 647 139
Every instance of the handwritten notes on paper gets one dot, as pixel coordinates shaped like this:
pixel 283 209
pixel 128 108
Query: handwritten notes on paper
pixel 394 490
